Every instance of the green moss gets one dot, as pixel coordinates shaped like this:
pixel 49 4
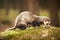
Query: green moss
pixel 39 33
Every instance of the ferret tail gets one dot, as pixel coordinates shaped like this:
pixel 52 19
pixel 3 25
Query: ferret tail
pixel 10 29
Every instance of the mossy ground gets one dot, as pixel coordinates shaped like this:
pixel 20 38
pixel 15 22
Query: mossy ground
pixel 38 33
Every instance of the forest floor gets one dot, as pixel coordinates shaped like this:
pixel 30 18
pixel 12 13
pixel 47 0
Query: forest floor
pixel 38 33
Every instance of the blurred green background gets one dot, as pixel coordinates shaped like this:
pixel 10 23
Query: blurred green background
pixel 9 9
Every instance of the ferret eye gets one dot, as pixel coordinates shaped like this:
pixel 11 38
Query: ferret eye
pixel 46 20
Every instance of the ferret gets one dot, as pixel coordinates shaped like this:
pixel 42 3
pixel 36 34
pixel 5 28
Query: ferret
pixel 26 19
pixel 41 20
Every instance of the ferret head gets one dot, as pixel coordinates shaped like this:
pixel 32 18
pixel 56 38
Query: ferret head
pixel 46 22
pixel 41 20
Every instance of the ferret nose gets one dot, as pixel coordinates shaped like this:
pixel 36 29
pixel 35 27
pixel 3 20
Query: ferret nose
pixel 48 24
